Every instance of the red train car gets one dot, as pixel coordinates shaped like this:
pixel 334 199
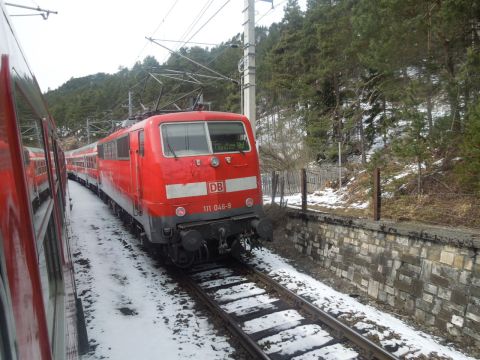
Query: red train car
pixel 82 165
pixel 189 181
pixel 38 305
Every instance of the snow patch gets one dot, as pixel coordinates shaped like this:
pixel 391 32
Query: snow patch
pixel 391 331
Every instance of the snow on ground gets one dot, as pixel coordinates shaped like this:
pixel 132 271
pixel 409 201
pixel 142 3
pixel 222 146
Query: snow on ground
pixel 390 330
pixel 132 308
pixel 328 198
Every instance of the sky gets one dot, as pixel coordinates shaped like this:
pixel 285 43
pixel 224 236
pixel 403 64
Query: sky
pixel 91 36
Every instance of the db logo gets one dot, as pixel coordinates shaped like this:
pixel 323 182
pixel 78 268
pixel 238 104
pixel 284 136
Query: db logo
pixel 216 187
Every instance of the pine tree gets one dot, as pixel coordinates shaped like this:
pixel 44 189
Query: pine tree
pixel 469 168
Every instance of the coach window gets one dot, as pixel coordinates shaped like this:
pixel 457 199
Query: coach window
pixel 110 150
pixel 183 139
pixel 100 151
pixel 58 175
pixel 228 137
pixel 31 131
pixel 52 155
pixel 141 143
pixel 123 148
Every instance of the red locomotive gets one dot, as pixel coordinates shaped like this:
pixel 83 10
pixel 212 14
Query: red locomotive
pixel 189 181
pixel 38 304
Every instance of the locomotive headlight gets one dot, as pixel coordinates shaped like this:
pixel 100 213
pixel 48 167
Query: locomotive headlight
pixel 180 211
pixel 214 161
pixel 249 202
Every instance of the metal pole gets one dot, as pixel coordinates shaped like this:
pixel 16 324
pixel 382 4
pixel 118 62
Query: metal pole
pixel 241 96
pixel 130 106
pixel 249 63
pixel 274 186
pixel 88 131
pixel 339 165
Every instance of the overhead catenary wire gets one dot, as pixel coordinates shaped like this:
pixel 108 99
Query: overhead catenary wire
pixel 198 18
pixel 208 21
pixel 195 21
pixel 190 42
pixel 193 61
pixel 157 28
pixel 44 13
pixel 272 9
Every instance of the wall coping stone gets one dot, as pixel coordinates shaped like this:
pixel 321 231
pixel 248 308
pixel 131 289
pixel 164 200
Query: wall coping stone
pixel 460 237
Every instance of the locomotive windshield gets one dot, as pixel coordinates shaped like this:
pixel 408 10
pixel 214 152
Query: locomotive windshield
pixel 227 137
pixel 201 138
pixel 184 139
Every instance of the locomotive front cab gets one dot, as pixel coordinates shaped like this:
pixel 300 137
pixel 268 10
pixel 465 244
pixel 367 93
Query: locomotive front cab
pixel 212 187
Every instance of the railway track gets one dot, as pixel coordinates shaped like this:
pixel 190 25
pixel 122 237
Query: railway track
pixel 270 321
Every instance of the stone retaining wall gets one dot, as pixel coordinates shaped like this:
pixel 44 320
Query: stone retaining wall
pixel 431 273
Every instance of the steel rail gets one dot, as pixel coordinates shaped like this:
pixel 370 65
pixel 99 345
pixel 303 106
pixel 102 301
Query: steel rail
pixel 248 344
pixel 372 349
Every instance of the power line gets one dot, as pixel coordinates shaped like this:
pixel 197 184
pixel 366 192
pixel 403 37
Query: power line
pixel 165 17
pixel 190 42
pixel 196 20
pixel 193 61
pixel 211 17
pixel 274 8
pixel 156 29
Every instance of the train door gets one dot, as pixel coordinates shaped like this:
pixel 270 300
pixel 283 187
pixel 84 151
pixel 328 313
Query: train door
pixel 136 156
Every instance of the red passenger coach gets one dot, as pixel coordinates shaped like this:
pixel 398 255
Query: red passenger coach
pixel 82 165
pixel 38 304
pixel 189 181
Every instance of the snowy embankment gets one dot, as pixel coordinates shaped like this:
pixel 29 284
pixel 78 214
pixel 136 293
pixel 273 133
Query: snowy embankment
pixel 327 198
pixel 133 309
pixel 392 332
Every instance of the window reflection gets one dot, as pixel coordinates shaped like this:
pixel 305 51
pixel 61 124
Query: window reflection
pixel 35 161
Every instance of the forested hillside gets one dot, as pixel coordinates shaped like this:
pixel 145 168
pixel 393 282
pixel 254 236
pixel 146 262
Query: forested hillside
pixel 398 75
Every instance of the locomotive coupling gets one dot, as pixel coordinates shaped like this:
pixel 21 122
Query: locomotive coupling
pixel 264 228
pixel 191 240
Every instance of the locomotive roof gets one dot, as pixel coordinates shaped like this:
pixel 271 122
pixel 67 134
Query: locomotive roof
pixel 178 116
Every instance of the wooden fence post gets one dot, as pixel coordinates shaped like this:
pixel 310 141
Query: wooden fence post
pixel 282 187
pixel 274 186
pixel 304 190
pixel 377 195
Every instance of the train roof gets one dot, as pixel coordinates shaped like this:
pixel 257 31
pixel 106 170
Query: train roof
pixel 82 149
pixel 34 150
pixel 177 116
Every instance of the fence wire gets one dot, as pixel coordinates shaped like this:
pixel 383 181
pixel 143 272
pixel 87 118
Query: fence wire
pixel 291 180
pixel 454 209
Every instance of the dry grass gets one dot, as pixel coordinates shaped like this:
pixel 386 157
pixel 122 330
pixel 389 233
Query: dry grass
pixel 442 202
pixel 441 209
